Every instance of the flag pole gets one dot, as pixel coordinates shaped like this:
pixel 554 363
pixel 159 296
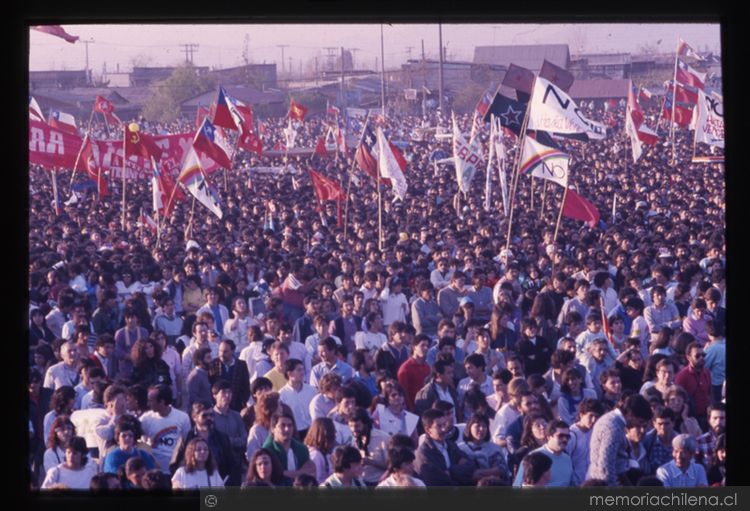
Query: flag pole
pixel 614 208
pixel 382 108
pixel 559 215
pixel 516 164
pixel 544 196
pixel 80 150
pixel 488 176
pixel 124 158
pixel 532 190
pixel 672 131
pixel 190 223
pixel 351 173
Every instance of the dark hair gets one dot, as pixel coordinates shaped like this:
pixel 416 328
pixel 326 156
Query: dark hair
pixel 261 382
pixel 430 415
pixel 61 397
pixel 637 406
pixel 290 365
pixel 535 465
pixel 100 482
pixel 155 479
pixel 277 471
pixel 163 393
pixel 590 405
pixel 477 419
pixel 78 444
pixel 344 456
pixel 399 456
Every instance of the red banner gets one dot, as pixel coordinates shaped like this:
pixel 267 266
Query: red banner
pixel 53 148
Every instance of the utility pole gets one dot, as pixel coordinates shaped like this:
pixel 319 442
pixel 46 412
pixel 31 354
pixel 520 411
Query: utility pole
pixel 290 68
pixel 341 101
pixel 424 84
pixel 353 60
pixel 408 51
pixel 188 49
pixel 282 46
pixel 440 69
pixel 88 72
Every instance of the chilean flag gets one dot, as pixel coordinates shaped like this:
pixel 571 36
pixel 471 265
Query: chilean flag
pixel 232 114
pixel 62 121
pixel 205 142
pixel 689 76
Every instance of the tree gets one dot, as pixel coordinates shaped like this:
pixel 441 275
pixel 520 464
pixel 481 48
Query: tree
pixel 183 83
pixel 466 98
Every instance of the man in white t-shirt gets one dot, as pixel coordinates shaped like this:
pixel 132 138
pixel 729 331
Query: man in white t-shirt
pixel 164 425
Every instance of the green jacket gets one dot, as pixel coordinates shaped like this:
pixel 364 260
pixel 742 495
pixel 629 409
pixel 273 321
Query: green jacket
pixel 301 454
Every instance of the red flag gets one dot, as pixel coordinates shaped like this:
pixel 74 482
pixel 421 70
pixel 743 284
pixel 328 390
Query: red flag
pixel 557 75
pixel 106 108
pixel 325 188
pixel 56 30
pixel 262 130
pixel 88 164
pixel 140 144
pixel 519 78
pixel 580 209
pixel 251 142
pixel 200 114
pixel 605 321
pixel 644 94
pixel 297 111
pixel 682 114
pixel 320 148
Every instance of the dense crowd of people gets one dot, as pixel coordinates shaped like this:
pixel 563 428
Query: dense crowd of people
pixel 277 347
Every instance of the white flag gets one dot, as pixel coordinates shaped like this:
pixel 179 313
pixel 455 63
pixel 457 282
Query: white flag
pixel 552 110
pixel 709 120
pixel 389 167
pixel 630 129
pixel 497 141
pixel 290 134
pixel 544 162
pixel 467 157
pixel 198 186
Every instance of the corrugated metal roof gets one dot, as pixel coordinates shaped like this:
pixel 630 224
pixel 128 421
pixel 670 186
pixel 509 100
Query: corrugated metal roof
pixel 599 89
pixel 528 56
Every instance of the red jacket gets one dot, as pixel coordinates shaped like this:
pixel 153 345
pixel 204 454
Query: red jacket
pixel 412 376
pixel 698 387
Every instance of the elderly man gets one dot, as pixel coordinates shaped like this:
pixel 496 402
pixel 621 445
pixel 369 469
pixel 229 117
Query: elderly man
pixel 682 471
pixel 65 372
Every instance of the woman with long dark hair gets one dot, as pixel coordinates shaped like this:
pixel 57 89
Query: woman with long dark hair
pixel 488 457
pixel 534 436
pixel 200 469
pixel 38 330
pixel 264 469
pixel 148 367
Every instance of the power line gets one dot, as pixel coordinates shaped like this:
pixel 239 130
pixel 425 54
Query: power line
pixel 189 48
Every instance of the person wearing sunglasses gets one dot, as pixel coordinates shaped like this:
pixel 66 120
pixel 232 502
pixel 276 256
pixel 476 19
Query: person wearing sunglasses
pixel 561 473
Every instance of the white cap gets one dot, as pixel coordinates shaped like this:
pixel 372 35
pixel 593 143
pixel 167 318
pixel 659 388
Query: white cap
pixel 191 244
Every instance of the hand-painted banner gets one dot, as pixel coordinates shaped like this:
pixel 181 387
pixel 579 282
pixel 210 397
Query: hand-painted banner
pixel 52 148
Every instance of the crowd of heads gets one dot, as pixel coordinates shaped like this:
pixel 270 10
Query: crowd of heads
pixel 440 319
